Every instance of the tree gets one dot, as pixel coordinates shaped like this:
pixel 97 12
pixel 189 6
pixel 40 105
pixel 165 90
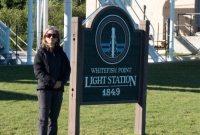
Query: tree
pixel 18 4
pixel 77 3
pixel 10 13
pixel 79 10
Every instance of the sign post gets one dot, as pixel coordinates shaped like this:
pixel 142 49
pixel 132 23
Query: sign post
pixel 109 64
pixel 76 63
pixel 140 107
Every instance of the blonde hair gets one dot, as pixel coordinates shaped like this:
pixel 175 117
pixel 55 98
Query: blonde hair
pixel 44 42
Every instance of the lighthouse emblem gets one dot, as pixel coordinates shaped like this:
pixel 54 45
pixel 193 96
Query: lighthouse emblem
pixel 113 43
pixel 112 39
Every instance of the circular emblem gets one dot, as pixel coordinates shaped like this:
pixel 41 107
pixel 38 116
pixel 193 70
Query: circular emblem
pixel 112 39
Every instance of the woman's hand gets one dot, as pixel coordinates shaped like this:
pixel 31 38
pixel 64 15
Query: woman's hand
pixel 57 85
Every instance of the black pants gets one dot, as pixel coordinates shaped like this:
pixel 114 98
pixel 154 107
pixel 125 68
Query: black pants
pixel 49 109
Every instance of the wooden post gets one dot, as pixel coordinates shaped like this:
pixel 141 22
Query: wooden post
pixel 76 62
pixel 140 108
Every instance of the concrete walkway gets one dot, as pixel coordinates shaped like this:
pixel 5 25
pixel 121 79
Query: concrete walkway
pixel 187 44
pixel 184 45
pixel 179 58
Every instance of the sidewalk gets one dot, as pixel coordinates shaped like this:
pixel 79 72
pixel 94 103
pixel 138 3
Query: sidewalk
pixel 178 58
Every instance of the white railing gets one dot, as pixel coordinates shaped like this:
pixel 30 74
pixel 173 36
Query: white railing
pixel 4 38
pixel 88 18
pixel 18 46
pixel 21 41
pixel 152 52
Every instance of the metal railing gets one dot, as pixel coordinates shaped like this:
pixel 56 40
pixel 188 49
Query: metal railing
pixel 5 39
pixel 21 41
pixel 186 25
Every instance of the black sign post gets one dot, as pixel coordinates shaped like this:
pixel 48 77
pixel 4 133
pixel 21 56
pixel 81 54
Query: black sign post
pixel 109 62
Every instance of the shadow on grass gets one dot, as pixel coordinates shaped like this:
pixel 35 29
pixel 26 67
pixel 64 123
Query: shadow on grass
pixel 20 82
pixel 13 73
pixel 177 90
pixel 7 95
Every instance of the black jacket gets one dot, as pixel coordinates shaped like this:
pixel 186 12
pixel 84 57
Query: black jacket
pixel 51 67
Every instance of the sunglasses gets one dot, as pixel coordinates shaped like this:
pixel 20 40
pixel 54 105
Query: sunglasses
pixel 53 35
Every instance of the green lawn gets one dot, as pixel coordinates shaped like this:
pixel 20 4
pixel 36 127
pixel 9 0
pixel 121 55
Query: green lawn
pixel 172 104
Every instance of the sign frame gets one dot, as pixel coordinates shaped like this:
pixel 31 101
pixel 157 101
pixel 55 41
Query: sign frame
pixel 76 79
pixel 95 23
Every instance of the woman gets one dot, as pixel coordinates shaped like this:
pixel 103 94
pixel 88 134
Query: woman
pixel 52 69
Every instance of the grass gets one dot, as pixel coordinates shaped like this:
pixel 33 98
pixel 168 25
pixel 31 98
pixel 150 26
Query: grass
pixel 172 104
